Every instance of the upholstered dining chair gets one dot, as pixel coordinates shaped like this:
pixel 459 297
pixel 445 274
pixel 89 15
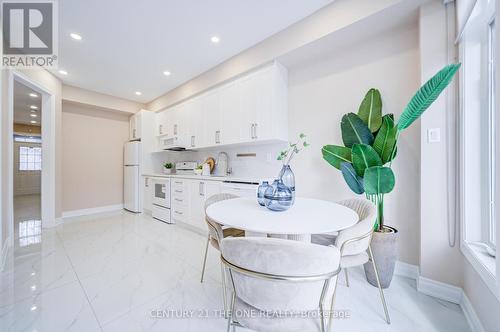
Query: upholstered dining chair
pixel 280 285
pixel 217 232
pixel 354 242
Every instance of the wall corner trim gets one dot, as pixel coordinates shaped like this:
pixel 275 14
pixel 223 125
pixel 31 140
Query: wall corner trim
pixel 407 270
pixel 470 314
pixel 85 212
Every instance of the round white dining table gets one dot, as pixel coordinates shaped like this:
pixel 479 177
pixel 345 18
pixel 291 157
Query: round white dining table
pixel 307 216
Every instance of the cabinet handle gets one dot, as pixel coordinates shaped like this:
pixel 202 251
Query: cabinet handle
pixel 179 191
pixel 202 189
pixel 178 200
pixel 178 212
pixel 255 131
pixel 133 133
pixel 161 129
pixel 251 130
pixel 217 137
pixel 175 129
pixel 146 182
pixel 192 141
pixel 178 182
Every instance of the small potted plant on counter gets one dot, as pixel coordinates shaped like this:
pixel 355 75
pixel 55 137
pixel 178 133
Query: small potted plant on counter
pixel 199 169
pixel 167 168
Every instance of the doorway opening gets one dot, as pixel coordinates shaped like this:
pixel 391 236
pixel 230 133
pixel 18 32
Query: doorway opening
pixel 27 165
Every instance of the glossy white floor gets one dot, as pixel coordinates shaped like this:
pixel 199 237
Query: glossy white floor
pixel 108 272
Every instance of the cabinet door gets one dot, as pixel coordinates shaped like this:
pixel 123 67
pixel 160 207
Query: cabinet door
pixel 248 105
pixel 132 127
pixel 263 122
pixel 160 127
pixel 230 113
pixel 197 212
pixel 147 195
pixel 138 125
pixel 210 108
pixel 195 119
pixel 211 188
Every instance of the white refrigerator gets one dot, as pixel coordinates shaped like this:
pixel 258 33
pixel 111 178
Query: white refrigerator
pixel 132 174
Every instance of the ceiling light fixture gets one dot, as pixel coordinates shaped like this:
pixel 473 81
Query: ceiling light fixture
pixel 75 36
pixel 63 72
pixel 138 93
pixel 34 107
pixel 33 115
pixel 33 121
pixel 215 39
pixel 167 73
pixel 33 95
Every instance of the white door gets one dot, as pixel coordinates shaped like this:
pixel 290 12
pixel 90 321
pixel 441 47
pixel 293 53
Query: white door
pixel 131 189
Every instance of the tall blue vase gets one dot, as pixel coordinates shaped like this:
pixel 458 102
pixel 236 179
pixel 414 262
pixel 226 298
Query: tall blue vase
pixel 288 178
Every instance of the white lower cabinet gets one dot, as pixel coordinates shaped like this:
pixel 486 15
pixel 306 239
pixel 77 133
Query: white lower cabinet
pixel 147 194
pixel 188 200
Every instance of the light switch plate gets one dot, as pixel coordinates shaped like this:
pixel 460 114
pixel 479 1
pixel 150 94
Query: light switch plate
pixel 434 135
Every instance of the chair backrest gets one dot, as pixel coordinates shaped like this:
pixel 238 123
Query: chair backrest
pixel 367 213
pixel 279 257
pixel 215 228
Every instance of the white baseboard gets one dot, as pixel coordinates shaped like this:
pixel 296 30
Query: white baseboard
pixel 470 314
pixel 439 290
pixel 407 270
pixel 85 212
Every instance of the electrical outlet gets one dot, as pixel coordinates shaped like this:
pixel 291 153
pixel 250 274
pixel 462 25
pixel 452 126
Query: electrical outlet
pixel 433 135
pixel 269 157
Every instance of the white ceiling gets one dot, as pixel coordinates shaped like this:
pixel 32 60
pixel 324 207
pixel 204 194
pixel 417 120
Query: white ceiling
pixel 127 44
pixel 22 103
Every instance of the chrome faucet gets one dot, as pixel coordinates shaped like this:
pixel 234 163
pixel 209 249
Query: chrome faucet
pixel 222 164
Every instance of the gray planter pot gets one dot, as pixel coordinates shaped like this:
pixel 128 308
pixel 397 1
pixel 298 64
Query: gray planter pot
pixel 384 248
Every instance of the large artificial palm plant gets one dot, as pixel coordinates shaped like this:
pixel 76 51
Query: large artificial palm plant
pixel 370 140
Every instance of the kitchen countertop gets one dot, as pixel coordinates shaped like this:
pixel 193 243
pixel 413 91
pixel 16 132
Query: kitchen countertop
pixel 204 177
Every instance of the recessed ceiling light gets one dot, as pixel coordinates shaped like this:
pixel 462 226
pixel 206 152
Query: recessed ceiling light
pixel 33 95
pixel 34 107
pixel 138 93
pixel 63 72
pixel 33 121
pixel 33 115
pixel 33 308
pixel 75 36
pixel 215 39
pixel 167 73
pixel 33 111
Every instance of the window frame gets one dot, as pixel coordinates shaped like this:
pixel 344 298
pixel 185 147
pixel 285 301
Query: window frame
pixel 490 239
pixel 37 151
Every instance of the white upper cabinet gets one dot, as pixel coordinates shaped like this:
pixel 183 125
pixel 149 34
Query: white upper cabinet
pixel 252 108
pixel 135 124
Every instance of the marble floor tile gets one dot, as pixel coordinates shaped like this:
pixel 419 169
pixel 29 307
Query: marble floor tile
pixel 128 272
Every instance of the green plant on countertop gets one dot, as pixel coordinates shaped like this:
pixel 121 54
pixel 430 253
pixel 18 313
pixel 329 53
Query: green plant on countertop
pixel 370 140
pixel 168 165
pixel 293 148
pixel 199 166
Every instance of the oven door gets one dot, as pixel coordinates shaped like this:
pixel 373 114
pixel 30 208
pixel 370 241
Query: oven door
pixel 161 193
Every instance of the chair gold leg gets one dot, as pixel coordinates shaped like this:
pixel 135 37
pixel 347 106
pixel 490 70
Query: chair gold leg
pixel 205 259
pixel 224 290
pixel 388 320
pixel 346 277
pixel 332 307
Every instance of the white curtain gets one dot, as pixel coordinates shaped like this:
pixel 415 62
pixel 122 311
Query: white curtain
pixel 464 10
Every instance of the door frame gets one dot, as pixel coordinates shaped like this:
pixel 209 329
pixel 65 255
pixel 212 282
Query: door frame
pixel 48 176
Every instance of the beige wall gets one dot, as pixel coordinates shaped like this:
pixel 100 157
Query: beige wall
pixel 92 157
pixel 321 92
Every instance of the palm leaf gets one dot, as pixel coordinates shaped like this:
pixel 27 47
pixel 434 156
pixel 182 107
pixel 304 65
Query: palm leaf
pixel 426 95
pixel 385 141
pixel 355 131
pixel 336 155
pixel 364 156
pixel 379 180
pixel 354 181
pixel 370 110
